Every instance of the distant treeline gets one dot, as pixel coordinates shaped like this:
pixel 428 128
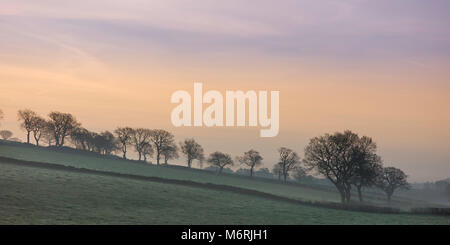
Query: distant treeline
pixel 345 159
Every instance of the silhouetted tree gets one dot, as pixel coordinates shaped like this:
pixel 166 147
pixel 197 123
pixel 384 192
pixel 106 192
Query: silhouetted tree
pixel 276 170
pixel 263 172
pixel 299 173
pixel 169 152
pixel 147 151
pixel 160 138
pixel 220 160
pixel 192 150
pixel 140 137
pixel 124 135
pixel 289 160
pixel 26 116
pixel 47 135
pixel 81 138
pixel 62 125
pixel 6 134
pixel 243 171
pixel 391 179
pixel 369 164
pixel 251 159
pixel 105 143
pixel 91 141
pixel 38 126
pixel 336 157
pixel 111 143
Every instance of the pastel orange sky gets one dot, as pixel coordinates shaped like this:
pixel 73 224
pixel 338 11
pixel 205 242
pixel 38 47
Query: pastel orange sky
pixel 376 68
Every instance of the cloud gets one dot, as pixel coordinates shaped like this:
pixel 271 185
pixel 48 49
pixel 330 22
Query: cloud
pixel 352 29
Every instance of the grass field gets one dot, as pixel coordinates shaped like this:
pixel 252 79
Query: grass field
pixel 128 167
pixel 30 195
pixel 77 160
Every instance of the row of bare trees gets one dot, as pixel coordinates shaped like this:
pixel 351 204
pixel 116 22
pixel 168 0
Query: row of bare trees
pixel 55 129
pixel 146 142
pixel 345 159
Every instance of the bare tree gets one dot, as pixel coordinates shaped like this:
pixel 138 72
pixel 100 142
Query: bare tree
pixel 26 116
pixel 147 151
pixel 276 170
pixel 192 150
pixel 80 137
pixel 336 157
pixel 48 136
pixel 62 125
pixel 169 152
pixel 124 135
pixel 140 137
pixel 369 164
pixel 391 179
pixel 105 143
pixel 6 134
pixel 220 160
pixel 251 159
pixel 160 139
pixel 289 160
pixel 299 173
pixel 38 126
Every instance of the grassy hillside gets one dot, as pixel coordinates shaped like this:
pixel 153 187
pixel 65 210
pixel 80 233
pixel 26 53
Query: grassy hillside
pixel 30 195
pixel 90 161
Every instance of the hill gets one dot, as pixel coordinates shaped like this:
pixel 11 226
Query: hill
pixel 33 195
pixel 79 159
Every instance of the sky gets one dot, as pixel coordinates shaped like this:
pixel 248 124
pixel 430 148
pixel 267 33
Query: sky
pixel 378 68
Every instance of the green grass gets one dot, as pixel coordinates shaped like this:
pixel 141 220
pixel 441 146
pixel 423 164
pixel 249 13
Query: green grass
pixel 89 161
pixel 128 167
pixel 30 195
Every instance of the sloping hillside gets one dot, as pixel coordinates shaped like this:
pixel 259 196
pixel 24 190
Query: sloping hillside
pixel 30 195
pixel 112 164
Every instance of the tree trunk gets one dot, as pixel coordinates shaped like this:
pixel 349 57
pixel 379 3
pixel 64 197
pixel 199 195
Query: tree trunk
pixel 251 172
pixel 28 137
pixel 344 191
pixel 56 139
pixel 189 163
pixel 360 193
pixel 348 193
pixel 158 156
pixel 124 150
pixel 36 139
pixel 140 156
pixel 342 195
